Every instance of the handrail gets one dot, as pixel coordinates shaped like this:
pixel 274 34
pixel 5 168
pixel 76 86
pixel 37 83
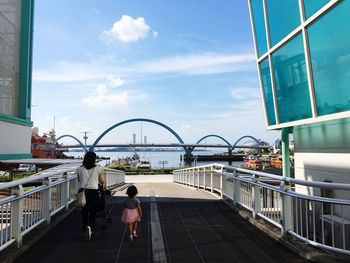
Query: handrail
pixel 57 192
pixel 41 175
pixel 327 185
pixel 312 219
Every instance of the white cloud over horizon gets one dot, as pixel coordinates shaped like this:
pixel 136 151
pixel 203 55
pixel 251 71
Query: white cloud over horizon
pixel 127 29
pixel 115 81
pixel 191 64
pixel 103 97
pixel 244 93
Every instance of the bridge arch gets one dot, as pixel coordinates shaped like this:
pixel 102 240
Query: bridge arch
pixel 214 135
pixel 136 120
pixel 71 136
pixel 245 136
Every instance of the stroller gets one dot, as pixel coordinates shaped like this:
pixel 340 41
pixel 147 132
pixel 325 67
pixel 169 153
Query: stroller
pixel 103 211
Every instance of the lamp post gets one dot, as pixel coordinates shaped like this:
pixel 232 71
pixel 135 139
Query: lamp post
pixel 85 137
pixel 163 162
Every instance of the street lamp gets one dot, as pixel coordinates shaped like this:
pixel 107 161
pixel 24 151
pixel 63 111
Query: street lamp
pixel 163 162
pixel 85 136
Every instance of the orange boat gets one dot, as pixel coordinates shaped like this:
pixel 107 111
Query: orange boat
pixel 252 162
pixel 45 146
pixel 276 162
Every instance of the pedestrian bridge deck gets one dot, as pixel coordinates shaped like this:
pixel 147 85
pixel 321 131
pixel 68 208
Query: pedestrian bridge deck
pixel 196 227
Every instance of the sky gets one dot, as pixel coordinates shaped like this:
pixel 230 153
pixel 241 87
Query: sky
pixel 189 64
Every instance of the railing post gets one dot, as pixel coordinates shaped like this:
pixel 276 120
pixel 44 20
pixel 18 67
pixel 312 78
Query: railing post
pixel 204 180
pixel 236 188
pixel 47 202
pixel 256 197
pixel 193 172
pixel 65 191
pixel 223 184
pixel 198 177
pixel 286 209
pixel 17 216
pixel 211 179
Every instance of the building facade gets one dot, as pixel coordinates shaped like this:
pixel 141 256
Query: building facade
pixel 16 38
pixel 303 57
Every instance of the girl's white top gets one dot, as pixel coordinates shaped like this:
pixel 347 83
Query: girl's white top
pixel 84 174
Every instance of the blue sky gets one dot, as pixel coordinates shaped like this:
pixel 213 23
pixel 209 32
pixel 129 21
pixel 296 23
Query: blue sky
pixel 187 63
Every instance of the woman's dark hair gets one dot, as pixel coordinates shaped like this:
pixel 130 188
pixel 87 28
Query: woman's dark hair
pixel 89 160
pixel 131 191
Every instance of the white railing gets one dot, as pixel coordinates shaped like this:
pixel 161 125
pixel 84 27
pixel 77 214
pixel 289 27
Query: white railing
pixel 27 207
pixel 320 221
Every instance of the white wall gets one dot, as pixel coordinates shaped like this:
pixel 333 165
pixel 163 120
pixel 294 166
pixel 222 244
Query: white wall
pixel 14 138
pixel 322 151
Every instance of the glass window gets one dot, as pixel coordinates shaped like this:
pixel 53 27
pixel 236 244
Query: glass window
pixel 266 82
pixel 312 6
pixel 329 41
pixel 283 18
pixel 259 26
pixel 293 99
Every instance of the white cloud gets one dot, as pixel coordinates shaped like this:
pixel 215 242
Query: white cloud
pixel 102 68
pixel 155 34
pixel 127 29
pixel 105 99
pixel 115 81
pixel 244 93
pixel 67 71
pixel 204 63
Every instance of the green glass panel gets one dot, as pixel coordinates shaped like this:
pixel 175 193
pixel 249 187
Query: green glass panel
pixel 259 26
pixel 266 81
pixel 312 6
pixel 329 41
pixel 283 18
pixel 293 99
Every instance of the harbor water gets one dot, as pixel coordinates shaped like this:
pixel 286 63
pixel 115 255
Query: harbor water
pixel 171 159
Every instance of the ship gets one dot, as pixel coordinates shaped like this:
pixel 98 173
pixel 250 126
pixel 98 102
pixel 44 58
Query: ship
pixel 252 162
pixel 45 146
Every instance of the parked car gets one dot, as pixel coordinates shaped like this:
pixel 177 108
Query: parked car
pixel 24 167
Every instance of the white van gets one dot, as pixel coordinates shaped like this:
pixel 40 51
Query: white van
pixel 24 167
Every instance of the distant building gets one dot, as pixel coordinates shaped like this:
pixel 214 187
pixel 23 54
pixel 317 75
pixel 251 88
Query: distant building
pixel 303 57
pixel 16 38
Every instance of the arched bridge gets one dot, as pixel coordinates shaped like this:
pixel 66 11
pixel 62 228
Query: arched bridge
pixel 188 148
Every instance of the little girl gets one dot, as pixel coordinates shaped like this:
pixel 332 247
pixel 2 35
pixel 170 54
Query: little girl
pixel 132 212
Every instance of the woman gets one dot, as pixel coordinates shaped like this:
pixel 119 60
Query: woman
pixel 90 176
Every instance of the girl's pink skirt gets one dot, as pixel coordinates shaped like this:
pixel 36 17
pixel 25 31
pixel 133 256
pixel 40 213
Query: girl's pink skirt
pixel 130 215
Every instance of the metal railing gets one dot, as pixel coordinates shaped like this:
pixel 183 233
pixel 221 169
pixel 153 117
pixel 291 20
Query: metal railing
pixel 320 221
pixel 28 207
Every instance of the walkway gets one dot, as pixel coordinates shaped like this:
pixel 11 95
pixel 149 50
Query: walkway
pixel 196 227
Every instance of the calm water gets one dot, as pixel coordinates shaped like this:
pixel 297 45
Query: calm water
pixel 172 158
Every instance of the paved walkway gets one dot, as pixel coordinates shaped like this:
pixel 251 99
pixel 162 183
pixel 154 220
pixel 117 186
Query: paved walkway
pixel 195 227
